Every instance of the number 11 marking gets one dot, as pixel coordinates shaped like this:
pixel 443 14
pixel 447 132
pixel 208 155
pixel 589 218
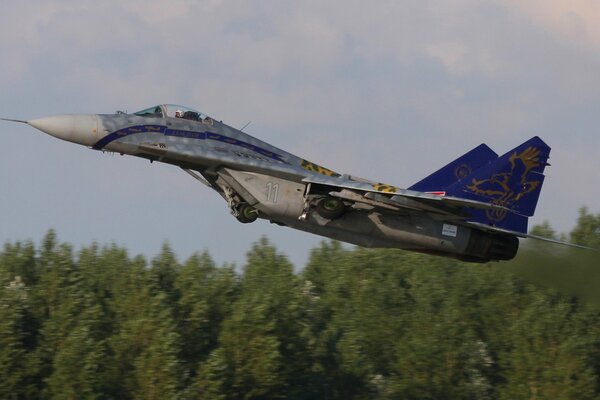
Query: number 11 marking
pixel 272 192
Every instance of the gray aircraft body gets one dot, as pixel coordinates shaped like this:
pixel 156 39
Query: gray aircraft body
pixel 472 209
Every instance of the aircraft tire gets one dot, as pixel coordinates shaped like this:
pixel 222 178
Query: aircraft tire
pixel 330 208
pixel 247 214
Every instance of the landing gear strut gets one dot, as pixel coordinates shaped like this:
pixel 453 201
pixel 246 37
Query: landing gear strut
pixel 243 212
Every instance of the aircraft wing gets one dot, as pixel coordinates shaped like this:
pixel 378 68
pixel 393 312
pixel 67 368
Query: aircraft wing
pixel 404 198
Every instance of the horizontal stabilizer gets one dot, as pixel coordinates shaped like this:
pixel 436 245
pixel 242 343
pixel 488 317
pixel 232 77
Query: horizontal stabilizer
pixel 529 236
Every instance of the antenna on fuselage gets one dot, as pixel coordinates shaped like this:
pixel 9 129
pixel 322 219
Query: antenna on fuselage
pixel 244 127
pixel 21 121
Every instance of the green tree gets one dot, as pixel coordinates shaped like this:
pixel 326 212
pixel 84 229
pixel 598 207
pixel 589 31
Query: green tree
pixel 587 230
pixel 262 352
pixel 57 298
pixel 549 354
pixel 543 230
pixel 146 344
pixel 17 363
pixel 354 324
pixel 19 260
pixel 163 274
pixel 206 296
pixel 83 365
pixel 157 369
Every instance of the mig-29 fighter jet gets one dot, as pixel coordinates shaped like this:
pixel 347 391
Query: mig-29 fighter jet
pixel 473 209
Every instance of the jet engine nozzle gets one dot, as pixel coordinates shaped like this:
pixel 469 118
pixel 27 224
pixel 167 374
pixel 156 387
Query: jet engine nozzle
pixel 484 247
pixel 81 129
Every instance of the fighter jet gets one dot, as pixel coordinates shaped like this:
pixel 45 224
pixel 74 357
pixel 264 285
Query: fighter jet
pixel 473 209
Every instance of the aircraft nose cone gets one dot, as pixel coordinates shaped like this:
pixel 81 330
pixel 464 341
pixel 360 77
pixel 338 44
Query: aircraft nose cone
pixel 80 129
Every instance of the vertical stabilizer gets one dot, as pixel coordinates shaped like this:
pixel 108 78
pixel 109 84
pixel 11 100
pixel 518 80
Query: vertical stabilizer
pixel 513 180
pixel 456 170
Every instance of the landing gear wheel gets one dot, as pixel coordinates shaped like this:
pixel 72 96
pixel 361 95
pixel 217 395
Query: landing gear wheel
pixel 330 208
pixel 247 214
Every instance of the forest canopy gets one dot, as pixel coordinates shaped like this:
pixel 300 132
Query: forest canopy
pixel 352 324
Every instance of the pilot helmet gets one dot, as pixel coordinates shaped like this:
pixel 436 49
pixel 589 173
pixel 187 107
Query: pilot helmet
pixel 179 113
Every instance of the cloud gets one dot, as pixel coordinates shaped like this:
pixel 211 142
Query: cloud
pixel 460 60
pixel 20 39
pixel 389 91
pixel 574 21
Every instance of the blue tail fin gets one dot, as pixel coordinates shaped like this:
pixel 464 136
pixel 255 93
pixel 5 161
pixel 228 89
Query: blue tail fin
pixel 513 180
pixel 457 169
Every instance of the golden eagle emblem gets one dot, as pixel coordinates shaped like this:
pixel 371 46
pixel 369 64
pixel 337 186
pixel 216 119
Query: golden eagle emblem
pixel 506 188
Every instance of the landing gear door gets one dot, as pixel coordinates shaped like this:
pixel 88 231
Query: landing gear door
pixel 276 197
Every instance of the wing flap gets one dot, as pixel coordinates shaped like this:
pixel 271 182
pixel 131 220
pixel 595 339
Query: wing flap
pixel 421 201
pixel 350 195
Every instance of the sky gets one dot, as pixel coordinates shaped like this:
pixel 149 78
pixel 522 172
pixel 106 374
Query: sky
pixel 389 90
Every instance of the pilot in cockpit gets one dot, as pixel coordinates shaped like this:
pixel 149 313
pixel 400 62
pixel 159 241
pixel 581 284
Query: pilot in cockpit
pixel 178 114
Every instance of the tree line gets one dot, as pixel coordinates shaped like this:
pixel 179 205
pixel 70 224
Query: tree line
pixel 98 323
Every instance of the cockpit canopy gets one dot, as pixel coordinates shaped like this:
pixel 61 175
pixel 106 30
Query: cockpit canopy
pixel 173 111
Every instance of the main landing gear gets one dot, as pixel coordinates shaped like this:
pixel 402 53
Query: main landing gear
pixel 242 211
pixel 330 207
pixel 246 213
